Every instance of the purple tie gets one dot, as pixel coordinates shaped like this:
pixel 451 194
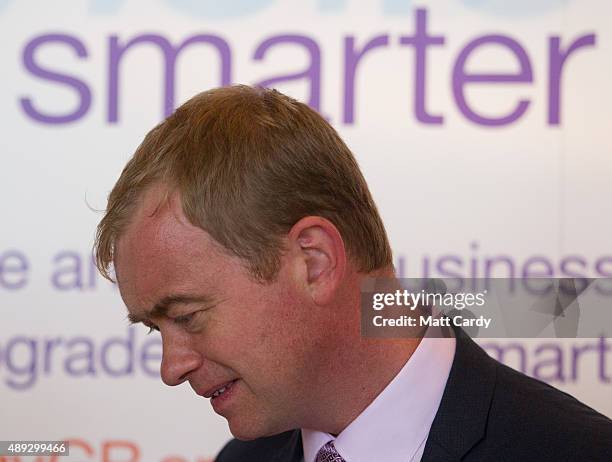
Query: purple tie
pixel 328 453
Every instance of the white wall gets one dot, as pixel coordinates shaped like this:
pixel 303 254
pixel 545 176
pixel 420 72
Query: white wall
pixel 456 192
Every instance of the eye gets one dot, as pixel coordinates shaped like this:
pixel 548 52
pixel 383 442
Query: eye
pixel 187 321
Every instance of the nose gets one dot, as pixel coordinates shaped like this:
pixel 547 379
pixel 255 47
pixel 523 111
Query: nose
pixel 179 359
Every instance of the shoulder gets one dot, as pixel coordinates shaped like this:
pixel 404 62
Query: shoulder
pixel 260 449
pixel 531 420
pixel 492 412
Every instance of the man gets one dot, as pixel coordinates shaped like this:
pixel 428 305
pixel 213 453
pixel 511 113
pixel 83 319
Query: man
pixel 242 230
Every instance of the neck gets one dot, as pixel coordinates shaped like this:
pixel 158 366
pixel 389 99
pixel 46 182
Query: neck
pixel 359 370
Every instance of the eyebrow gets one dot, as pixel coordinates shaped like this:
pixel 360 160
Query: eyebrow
pixel 162 307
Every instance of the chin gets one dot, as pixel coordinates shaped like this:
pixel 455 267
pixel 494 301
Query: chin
pixel 247 431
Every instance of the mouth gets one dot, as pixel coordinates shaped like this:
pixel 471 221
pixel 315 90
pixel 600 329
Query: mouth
pixel 219 390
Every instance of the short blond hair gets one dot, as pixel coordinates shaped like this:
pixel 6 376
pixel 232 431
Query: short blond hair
pixel 248 164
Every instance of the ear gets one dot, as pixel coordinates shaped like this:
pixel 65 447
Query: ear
pixel 320 250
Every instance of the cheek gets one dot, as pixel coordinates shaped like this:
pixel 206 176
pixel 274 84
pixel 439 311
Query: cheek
pixel 294 339
pixel 269 328
pixel 285 321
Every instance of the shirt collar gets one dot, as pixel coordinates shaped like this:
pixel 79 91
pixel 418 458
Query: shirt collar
pixel 398 419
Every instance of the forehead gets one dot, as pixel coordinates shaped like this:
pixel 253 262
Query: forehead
pixel 160 252
pixel 157 227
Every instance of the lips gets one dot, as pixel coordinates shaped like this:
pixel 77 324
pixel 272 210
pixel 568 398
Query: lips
pixel 220 387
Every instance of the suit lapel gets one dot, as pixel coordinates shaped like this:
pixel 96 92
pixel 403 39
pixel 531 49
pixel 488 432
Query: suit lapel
pixel 462 417
pixel 435 452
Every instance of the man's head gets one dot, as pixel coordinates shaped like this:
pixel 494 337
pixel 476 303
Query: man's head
pixel 248 164
pixel 239 229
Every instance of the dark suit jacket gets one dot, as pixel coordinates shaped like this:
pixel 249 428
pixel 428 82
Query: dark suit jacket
pixel 489 412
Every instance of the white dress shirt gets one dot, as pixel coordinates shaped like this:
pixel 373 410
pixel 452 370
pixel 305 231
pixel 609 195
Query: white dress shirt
pixel 396 424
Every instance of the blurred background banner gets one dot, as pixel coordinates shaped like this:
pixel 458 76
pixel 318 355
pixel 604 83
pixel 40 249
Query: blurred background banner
pixel 482 127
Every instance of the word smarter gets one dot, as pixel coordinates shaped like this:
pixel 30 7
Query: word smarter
pixel 351 68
